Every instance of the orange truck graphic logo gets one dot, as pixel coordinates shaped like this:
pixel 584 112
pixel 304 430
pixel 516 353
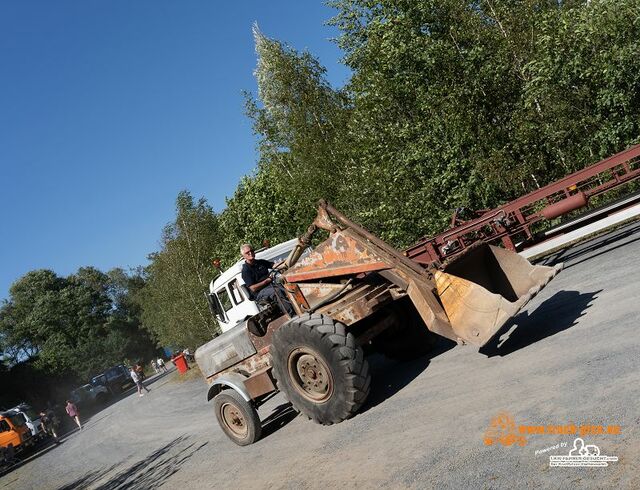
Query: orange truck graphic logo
pixel 502 430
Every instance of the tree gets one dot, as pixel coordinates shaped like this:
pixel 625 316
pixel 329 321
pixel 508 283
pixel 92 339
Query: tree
pixel 173 305
pixel 471 104
pixel 299 119
pixel 68 325
pixel 126 313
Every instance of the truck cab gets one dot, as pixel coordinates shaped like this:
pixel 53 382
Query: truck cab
pixel 229 298
pixel 14 433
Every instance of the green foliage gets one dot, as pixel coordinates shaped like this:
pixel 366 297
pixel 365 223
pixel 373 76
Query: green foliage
pixel 475 103
pixel 299 120
pixel 77 325
pixel 173 304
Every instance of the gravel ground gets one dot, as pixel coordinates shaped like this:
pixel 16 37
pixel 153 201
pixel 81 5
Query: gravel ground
pixel 571 357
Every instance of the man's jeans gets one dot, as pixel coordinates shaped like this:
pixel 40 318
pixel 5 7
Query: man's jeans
pixel 268 292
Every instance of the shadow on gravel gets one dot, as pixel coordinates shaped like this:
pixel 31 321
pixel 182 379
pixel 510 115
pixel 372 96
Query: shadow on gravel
pixel 150 472
pixel 571 255
pixel 556 314
pixel 388 377
pixel 277 419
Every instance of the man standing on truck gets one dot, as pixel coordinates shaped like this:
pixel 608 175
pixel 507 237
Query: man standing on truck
pixel 255 274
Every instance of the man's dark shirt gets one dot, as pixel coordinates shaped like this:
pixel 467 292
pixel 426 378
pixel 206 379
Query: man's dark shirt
pixel 256 272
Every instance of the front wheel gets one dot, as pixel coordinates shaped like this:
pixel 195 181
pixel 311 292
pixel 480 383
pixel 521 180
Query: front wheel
pixel 319 368
pixel 237 417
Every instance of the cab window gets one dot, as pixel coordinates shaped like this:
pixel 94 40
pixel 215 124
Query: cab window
pixel 31 413
pixel 18 419
pixel 236 294
pixel 223 296
pixel 4 426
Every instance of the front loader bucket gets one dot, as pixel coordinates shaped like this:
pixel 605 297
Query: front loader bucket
pixel 485 287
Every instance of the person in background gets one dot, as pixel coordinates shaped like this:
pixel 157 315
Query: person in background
pixel 161 364
pixel 140 371
pixel 74 413
pixel 50 423
pixel 138 381
pixel 187 354
pixel 154 366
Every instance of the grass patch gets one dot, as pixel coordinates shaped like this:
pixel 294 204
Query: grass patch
pixel 192 374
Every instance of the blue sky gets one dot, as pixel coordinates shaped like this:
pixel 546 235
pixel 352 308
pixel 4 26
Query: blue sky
pixel 109 108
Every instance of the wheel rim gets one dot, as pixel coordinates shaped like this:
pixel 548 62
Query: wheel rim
pixel 310 375
pixel 234 420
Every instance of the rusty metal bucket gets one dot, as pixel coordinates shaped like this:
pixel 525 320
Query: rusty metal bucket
pixel 487 286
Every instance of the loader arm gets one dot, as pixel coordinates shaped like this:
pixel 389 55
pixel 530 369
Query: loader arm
pixel 467 301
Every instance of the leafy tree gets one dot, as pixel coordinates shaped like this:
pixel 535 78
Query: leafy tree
pixel 299 119
pixel 126 313
pixel 451 103
pixel 67 325
pixel 475 103
pixel 173 305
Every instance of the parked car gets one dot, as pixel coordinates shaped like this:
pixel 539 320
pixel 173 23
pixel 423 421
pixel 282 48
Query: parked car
pixel 32 420
pixel 115 379
pixel 87 395
pixel 15 436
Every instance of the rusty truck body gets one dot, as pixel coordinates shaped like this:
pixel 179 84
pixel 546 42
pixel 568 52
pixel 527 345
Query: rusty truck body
pixel 351 293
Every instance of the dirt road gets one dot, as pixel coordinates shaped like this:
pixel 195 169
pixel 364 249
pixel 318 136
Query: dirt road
pixel 572 357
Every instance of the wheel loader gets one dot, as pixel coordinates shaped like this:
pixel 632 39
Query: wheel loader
pixel 351 293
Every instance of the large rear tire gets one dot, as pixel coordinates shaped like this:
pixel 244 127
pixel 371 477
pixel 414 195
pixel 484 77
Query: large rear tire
pixel 320 369
pixel 237 417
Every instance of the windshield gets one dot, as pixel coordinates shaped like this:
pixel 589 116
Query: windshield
pixel 79 392
pixel 223 296
pixel 17 420
pixel 31 413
